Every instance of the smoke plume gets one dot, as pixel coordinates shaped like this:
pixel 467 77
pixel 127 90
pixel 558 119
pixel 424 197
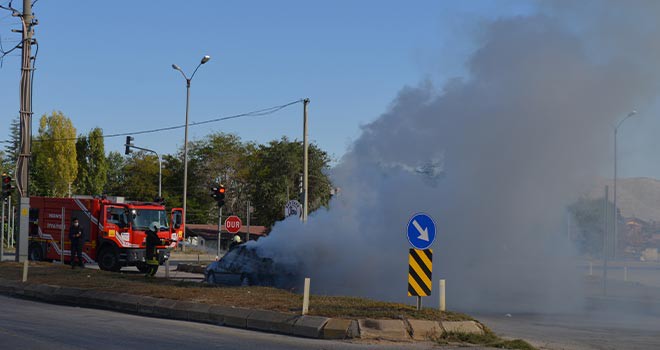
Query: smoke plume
pixel 494 157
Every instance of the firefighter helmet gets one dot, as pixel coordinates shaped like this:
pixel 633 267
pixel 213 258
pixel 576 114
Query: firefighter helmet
pixel 155 226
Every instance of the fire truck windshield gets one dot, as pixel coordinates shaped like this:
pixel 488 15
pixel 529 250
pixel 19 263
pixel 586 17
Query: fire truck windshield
pixel 143 217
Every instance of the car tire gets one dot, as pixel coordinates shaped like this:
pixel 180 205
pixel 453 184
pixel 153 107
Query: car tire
pixel 210 278
pixel 245 280
pixel 108 260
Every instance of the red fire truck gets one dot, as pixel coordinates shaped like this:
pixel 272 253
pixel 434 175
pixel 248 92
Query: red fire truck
pixel 114 229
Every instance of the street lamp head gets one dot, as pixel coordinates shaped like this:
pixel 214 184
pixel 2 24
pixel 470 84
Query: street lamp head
pixel 633 112
pixel 174 66
pixel 205 59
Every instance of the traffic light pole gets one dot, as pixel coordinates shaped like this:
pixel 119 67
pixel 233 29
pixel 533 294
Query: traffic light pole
pixel 219 229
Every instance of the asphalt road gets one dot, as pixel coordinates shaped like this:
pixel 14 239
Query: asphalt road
pixel 581 331
pixel 32 325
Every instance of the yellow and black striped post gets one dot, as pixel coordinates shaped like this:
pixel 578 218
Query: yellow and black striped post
pixel 420 268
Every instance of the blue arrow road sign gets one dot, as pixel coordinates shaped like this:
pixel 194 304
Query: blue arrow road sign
pixel 421 231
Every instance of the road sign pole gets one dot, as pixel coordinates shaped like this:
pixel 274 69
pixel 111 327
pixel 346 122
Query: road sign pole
pixel 421 233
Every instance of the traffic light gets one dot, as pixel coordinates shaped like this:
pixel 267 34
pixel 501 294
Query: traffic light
pixel 129 144
pixel 7 187
pixel 218 193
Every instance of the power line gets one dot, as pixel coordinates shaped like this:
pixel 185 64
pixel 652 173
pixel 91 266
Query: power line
pixel 256 113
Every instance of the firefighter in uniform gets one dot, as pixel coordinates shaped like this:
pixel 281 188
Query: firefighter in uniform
pixel 235 242
pixel 152 254
pixel 76 238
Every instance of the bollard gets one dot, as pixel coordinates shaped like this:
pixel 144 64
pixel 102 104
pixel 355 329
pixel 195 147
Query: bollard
pixel 167 268
pixel 591 268
pixel 25 269
pixel 305 308
pixel 443 305
pixel 625 273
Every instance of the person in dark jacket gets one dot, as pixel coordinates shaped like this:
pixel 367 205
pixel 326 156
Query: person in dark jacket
pixel 151 255
pixel 76 237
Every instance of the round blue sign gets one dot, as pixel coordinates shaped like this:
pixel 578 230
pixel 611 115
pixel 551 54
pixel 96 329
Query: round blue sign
pixel 421 231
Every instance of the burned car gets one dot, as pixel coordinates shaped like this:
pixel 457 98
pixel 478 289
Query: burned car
pixel 243 266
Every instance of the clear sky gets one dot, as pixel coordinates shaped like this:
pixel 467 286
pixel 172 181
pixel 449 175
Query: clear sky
pixel 108 64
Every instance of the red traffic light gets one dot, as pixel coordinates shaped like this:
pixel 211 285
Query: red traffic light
pixel 221 189
pixel 6 179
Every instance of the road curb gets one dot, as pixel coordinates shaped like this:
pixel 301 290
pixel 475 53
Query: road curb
pixel 469 327
pixel 192 268
pixel 260 320
pixel 395 330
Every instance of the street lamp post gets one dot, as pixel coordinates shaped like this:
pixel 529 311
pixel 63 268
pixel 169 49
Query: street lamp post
pixel 185 141
pixel 616 226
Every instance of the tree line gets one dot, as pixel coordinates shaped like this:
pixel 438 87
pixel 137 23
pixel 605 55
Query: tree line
pixel 65 163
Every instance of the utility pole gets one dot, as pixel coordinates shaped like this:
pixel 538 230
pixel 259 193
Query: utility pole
pixel 25 112
pixel 606 230
pixel 305 163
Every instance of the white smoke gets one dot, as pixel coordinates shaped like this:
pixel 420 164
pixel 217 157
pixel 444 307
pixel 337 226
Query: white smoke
pixel 494 158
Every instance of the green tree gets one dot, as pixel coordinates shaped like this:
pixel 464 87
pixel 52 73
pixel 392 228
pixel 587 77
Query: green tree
pixel 115 179
pixel 275 178
pixel 217 158
pixel 92 164
pixel 173 180
pixel 11 148
pixel 54 156
pixel 589 216
pixel 5 166
pixel 140 177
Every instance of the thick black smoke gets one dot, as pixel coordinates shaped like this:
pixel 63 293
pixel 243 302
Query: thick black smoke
pixel 494 157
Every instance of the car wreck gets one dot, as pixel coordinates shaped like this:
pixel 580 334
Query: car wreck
pixel 245 266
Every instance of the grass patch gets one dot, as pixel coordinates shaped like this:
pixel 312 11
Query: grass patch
pixel 251 297
pixel 488 339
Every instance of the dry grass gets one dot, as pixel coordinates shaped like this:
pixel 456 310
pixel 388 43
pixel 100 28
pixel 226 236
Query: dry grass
pixel 250 297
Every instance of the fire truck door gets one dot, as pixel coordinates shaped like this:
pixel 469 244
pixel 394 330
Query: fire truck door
pixel 115 221
pixel 177 223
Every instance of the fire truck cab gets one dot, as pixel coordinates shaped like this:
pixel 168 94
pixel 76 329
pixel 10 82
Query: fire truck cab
pixel 114 229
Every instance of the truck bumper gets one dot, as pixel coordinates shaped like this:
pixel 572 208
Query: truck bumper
pixel 130 257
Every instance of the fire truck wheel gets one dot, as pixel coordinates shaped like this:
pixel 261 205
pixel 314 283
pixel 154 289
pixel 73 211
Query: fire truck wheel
pixel 35 252
pixel 108 260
